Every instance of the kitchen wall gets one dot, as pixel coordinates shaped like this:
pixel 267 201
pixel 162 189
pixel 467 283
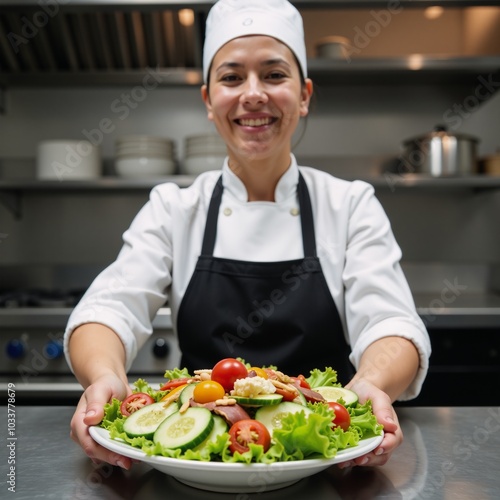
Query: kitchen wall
pixel 350 130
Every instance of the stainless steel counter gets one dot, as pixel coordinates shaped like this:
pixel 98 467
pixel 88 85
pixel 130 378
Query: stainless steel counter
pixel 448 453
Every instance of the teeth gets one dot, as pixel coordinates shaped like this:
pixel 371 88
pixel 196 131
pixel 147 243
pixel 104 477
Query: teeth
pixel 258 122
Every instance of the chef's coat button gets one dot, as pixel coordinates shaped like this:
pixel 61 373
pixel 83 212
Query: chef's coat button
pixel 227 211
pixel 294 211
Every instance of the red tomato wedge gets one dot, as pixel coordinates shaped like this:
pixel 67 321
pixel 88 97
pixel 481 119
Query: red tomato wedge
pixel 135 402
pixel 176 382
pixel 300 381
pixel 247 431
pixel 287 395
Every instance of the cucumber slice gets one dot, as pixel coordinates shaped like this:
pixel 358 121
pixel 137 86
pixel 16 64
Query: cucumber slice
pixel 301 399
pixel 333 394
pixel 145 421
pixel 220 427
pixel 186 394
pixel 185 430
pixel 261 400
pixel 271 416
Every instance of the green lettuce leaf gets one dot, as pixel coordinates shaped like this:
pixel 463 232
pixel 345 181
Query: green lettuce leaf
pixel 142 386
pixel 364 421
pixel 177 373
pixel 318 378
pixel 111 413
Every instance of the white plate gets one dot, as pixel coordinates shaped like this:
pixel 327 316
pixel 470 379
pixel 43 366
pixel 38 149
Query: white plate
pixel 234 477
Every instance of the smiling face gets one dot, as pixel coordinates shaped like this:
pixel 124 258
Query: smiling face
pixel 256 98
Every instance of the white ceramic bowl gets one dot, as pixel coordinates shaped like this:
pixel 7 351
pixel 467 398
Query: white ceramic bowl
pixel 234 477
pixel 68 160
pixel 144 167
pixel 150 152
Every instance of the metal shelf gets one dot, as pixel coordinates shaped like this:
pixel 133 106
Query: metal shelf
pixel 12 192
pixel 413 70
pixel 83 5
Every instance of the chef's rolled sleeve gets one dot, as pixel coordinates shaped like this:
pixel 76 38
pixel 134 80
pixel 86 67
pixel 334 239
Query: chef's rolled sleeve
pixel 378 299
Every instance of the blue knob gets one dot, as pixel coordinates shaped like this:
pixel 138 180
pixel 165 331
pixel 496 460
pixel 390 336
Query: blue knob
pixel 15 349
pixel 53 350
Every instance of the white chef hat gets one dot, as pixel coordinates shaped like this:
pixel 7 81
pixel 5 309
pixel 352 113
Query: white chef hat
pixel 230 19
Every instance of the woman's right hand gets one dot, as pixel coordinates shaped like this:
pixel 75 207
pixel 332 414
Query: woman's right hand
pixel 90 411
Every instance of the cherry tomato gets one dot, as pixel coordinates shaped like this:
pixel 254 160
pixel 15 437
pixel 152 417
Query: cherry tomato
pixel 260 372
pixel 176 382
pixel 227 371
pixel 301 381
pixel 135 402
pixel 342 418
pixel 287 395
pixel 207 391
pixel 248 431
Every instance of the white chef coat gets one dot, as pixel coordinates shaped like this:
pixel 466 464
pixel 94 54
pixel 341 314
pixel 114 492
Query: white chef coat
pixel 355 245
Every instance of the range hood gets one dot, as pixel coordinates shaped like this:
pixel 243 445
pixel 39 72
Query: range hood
pixel 106 43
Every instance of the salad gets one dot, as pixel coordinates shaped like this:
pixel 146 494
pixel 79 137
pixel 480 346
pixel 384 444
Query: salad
pixel 235 412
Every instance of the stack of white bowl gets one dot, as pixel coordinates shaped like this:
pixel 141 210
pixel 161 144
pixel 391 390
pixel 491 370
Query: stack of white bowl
pixel 142 156
pixel 203 153
pixel 68 160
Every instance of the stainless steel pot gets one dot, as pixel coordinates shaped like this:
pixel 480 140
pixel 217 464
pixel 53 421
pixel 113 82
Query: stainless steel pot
pixel 441 153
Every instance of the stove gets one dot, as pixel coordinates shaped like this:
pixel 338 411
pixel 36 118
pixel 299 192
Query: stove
pixel 32 324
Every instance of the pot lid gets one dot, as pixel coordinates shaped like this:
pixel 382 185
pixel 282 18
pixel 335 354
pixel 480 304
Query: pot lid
pixel 440 131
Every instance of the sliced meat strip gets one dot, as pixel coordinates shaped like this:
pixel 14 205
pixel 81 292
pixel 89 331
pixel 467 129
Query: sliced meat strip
pixel 232 414
pixel 209 406
pixel 310 395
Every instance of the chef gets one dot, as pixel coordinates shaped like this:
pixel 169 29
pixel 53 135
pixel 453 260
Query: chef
pixel 273 262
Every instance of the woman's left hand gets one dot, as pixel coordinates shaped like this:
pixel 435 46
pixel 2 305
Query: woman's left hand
pixel 384 411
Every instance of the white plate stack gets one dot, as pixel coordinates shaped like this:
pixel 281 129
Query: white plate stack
pixel 68 160
pixel 203 153
pixel 142 156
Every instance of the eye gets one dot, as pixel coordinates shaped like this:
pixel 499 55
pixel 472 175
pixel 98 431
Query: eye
pixel 229 78
pixel 276 75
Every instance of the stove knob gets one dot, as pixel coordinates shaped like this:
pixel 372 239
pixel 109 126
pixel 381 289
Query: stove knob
pixel 15 349
pixel 161 348
pixel 53 350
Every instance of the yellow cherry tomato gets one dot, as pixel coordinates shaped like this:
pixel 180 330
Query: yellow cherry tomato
pixel 179 388
pixel 208 391
pixel 259 371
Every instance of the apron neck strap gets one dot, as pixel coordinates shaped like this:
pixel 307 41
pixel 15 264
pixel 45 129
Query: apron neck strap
pixel 306 219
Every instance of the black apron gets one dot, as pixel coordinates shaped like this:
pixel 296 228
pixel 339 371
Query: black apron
pixel 268 313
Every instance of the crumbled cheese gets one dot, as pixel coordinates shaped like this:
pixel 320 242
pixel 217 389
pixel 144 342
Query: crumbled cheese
pixel 252 386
